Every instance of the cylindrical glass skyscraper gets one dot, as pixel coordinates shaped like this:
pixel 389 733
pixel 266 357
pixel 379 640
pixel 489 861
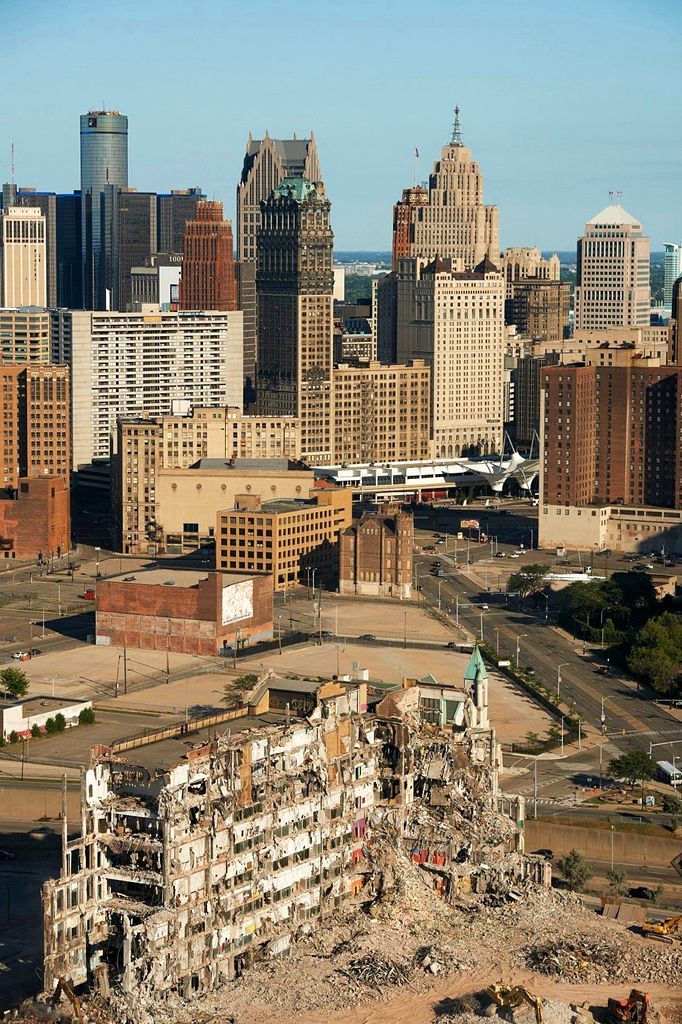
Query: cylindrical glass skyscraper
pixel 104 161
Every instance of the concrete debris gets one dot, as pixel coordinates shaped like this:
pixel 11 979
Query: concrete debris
pixel 375 971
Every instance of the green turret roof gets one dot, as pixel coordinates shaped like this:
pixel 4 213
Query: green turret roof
pixel 297 188
pixel 476 669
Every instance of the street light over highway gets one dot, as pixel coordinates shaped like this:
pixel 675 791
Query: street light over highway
pixel 518 646
pixel 558 675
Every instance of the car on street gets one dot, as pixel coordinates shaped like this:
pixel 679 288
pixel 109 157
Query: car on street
pixel 648 565
pixel 429 549
pixel 35 651
pixel 21 655
pixel 514 554
pixel 602 670
pixel 440 574
pixel 530 671
pixel 326 634
pixel 88 595
pixel 366 636
pixel 500 554
pixel 6 855
pixel 452 645
pixel 642 892
pixel 485 607
pixel 547 854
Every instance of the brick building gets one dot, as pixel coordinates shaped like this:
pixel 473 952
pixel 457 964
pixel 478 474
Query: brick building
pixel 34 428
pixel 208 273
pixel 35 518
pixel 184 611
pixel 286 538
pixel 375 555
pixel 611 433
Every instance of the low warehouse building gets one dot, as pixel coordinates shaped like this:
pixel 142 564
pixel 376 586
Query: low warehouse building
pixel 183 610
pixel 21 715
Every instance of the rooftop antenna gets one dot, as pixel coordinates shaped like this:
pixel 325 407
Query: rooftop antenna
pixel 610 198
pixel 619 196
pixel 11 149
pixel 456 139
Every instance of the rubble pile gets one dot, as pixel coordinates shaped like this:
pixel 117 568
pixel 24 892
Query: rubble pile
pixel 376 972
pixel 476 1008
pixel 575 959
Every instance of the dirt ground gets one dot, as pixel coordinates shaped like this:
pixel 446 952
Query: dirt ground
pixel 512 713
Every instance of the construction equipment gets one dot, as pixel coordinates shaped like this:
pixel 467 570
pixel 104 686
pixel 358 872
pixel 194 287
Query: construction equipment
pixel 633 1009
pixel 664 931
pixel 515 995
pixel 63 986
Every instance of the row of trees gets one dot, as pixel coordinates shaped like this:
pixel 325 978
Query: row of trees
pixel 642 633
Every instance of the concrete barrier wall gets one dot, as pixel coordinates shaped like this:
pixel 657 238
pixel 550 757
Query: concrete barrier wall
pixel 36 804
pixel 595 843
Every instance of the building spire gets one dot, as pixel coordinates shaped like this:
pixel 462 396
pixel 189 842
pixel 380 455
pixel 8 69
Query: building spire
pixel 456 139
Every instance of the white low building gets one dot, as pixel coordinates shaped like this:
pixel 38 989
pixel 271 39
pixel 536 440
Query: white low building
pixel 21 715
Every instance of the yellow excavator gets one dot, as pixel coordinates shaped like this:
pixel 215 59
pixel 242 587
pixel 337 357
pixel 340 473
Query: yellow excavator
pixel 515 995
pixel 63 986
pixel 664 931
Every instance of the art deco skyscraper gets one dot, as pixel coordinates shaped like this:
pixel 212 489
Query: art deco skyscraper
pixel 104 161
pixel 208 278
pixel 295 286
pixel 450 219
pixel 612 288
pixel 266 162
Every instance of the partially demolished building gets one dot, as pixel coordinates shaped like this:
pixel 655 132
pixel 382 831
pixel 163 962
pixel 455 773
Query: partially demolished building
pixel 204 852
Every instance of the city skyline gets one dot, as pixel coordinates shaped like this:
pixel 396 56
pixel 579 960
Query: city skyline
pixel 532 149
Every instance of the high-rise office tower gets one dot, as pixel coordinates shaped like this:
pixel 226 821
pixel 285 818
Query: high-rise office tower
pixel 671 271
pixel 23 263
pixel 134 241
pixel 612 288
pixel 266 162
pixel 675 324
pixel 104 161
pixel 173 211
pixel 450 221
pixel 295 287
pixel 69 261
pixel 208 278
pixel 46 202
pixel 454 320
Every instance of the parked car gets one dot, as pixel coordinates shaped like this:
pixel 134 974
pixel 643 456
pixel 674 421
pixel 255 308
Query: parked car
pixel 648 565
pixel 88 595
pixel 530 671
pixel 21 655
pixel 429 549
pixel 6 855
pixel 326 635
pixel 602 670
pixel 547 854
pixel 500 554
pixel 514 554
pixel 366 636
pixel 35 651
pixel 642 892
pixel 452 645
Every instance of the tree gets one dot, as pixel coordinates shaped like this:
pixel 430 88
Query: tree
pixel 618 882
pixel 86 717
pixel 35 731
pixel 14 736
pixel 637 766
pixel 574 869
pixel 656 654
pixel 672 804
pixel 50 726
pixel 527 581
pixel 14 681
pixel 59 722
pixel 532 739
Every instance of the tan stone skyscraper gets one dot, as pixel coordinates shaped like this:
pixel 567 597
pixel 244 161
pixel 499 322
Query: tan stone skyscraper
pixel 452 221
pixel 23 266
pixel 266 162
pixel 295 285
pixel 613 288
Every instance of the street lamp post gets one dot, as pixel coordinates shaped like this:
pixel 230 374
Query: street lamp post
pixel 546 596
pixel 439 583
pixel 518 647
pixel 481 625
pixel 457 608
pixel 405 632
pixel 603 729
pixel 612 831
pixel 558 676
pixel 497 641
pixel 313 573
pixel 59 600
pixel 97 554
pixel 562 735
pixel 279 632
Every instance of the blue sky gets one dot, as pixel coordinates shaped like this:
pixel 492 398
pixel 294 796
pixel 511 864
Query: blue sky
pixel 560 102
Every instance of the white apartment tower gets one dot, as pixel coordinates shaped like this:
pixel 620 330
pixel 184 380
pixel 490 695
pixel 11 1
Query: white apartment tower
pixel 140 364
pixel 613 285
pixel 671 271
pixel 455 322
pixel 24 257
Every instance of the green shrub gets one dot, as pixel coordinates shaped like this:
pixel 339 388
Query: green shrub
pixel 86 717
pixel 35 731
pixel 50 726
pixel 60 722
pixel 14 736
